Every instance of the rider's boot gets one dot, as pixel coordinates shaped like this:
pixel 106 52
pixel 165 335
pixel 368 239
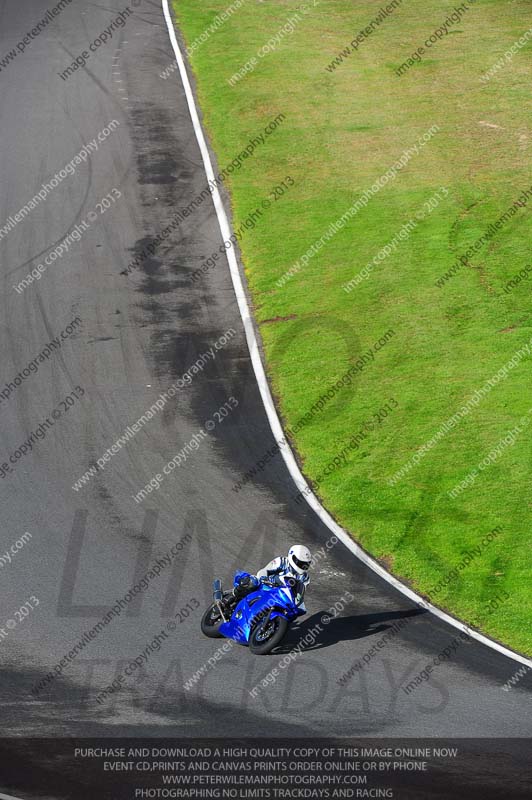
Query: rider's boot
pixel 245 586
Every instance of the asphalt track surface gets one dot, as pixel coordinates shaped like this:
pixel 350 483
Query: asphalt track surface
pixel 140 332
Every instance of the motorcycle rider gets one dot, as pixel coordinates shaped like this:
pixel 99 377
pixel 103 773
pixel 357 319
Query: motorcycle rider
pixel 295 565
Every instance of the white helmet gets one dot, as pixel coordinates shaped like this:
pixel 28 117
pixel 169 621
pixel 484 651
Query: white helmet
pixel 299 558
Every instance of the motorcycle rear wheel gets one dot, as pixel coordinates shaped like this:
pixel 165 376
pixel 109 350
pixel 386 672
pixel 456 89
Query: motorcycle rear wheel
pixel 267 635
pixel 211 621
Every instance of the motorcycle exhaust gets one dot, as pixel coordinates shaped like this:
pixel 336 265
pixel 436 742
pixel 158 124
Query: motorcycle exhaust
pixel 217 596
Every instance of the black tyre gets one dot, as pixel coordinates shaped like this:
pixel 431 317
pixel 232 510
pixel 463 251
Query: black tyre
pixel 211 621
pixel 267 635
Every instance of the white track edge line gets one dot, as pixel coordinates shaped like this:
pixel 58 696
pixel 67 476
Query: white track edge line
pixel 264 388
pixel 9 797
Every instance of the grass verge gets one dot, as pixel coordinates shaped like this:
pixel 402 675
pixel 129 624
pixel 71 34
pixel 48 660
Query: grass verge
pixel 346 124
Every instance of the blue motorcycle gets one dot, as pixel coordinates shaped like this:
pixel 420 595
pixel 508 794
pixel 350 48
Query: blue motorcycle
pixel 259 620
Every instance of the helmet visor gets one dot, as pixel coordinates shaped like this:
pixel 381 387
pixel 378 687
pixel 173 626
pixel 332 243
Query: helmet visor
pixel 304 565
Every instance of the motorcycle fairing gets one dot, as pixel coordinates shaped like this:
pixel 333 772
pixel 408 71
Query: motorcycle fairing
pixel 277 600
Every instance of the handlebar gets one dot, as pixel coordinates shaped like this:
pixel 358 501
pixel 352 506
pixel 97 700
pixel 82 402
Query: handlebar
pixel 277 582
pixel 271 582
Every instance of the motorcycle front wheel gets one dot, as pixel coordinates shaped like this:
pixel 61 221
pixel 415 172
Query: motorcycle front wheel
pixel 211 621
pixel 267 635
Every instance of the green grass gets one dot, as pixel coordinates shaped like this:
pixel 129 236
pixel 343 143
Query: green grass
pixel 342 131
